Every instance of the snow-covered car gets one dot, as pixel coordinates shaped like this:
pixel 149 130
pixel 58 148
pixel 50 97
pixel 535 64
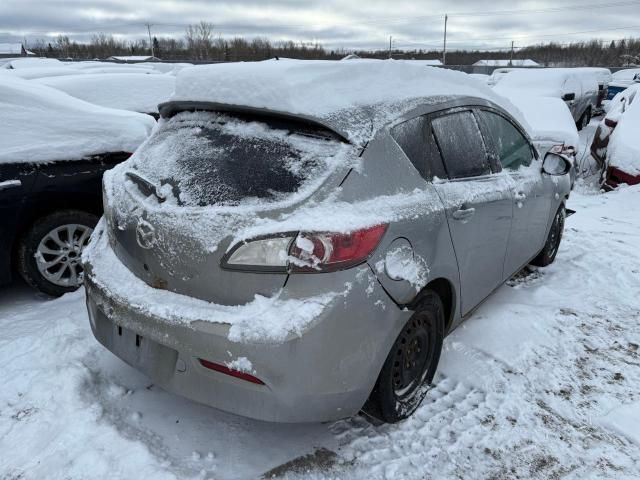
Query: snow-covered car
pixel 578 91
pixel 53 151
pixel 296 238
pixel 551 126
pixel 621 80
pixel 615 146
pixel 137 92
pixel 604 78
pixel 498 74
pixel 615 109
pixel 481 76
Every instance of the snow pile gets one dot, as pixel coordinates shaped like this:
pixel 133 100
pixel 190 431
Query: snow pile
pixel 39 72
pixel 624 145
pixel 40 123
pixel 137 92
pixel 264 320
pixel 548 118
pixel 26 63
pixel 355 97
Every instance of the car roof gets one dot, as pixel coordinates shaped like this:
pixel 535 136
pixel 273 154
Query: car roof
pixel 353 99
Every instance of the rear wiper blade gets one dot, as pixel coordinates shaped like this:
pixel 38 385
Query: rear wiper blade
pixel 146 187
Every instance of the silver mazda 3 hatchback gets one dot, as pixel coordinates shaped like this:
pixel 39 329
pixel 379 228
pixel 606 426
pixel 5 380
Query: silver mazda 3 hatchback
pixel 296 267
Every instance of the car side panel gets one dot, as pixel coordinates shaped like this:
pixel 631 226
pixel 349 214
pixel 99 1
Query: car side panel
pixel 16 182
pixel 387 171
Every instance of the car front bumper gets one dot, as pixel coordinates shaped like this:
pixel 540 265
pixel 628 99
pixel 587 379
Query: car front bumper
pixel 323 373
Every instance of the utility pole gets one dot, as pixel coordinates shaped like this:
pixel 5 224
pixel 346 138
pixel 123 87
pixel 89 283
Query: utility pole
pixel 444 49
pixel 390 40
pixel 150 41
pixel 511 58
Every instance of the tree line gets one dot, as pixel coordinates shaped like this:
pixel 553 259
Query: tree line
pixel 201 44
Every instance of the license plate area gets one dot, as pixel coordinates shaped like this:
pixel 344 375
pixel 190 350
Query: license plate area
pixel 153 359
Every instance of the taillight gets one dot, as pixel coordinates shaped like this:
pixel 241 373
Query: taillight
pixel 328 252
pixel 610 123
pixel 232 373
pixel 564 149
pixel 305 251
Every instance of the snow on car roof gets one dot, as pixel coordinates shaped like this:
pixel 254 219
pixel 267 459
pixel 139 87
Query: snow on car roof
pixel 137 92
pixel 19 63
pixel 355 98
pixel 41 124
pixel 624 151
pixel 548 118
pixel 546 82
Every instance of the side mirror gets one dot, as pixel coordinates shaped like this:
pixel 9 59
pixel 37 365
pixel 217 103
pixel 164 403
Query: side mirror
pixel 569 97
pixel 556 164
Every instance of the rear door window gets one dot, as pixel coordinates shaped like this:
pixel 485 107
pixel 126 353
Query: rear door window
pixel 510 146
pixel 461 145
pixel 413 138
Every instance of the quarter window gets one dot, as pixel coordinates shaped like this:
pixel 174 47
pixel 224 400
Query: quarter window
pixel 461 145
pixel 412 138
pixel 511 147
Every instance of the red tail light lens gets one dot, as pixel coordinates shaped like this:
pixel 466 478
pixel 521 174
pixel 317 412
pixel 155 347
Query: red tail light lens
pixel 610 123
pixel 227 371
pixel 328 252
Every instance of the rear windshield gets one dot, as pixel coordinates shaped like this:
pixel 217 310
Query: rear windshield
pixel 207 158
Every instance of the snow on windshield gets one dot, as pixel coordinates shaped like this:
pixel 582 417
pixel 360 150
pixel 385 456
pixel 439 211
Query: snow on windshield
pixel 41 124
pixel 549 118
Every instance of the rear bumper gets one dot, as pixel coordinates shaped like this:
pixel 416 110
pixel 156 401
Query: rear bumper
pixel 616 177
pixel 323 373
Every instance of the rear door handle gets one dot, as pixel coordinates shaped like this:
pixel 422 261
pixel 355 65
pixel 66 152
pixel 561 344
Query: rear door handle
pixel 464 213
pixel 7 184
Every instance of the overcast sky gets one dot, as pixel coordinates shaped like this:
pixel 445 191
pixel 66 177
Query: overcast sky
pixel 334 23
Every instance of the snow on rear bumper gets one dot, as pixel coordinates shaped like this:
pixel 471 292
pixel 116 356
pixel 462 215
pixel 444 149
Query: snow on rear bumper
pixel 323 372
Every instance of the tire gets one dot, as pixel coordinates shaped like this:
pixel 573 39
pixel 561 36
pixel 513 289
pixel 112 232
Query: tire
pixel 47 241
pixel 408 371
pixel 551 246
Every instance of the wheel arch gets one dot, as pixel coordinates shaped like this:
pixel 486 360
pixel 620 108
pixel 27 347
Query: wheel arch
pixel 445 290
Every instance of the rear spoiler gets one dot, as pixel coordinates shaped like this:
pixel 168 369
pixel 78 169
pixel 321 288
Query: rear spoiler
pixel 169 109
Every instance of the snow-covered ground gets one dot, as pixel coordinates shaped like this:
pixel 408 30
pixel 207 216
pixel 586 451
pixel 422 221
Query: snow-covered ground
pixel 541 382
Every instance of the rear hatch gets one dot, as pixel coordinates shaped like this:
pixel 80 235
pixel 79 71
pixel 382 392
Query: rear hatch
pixel 193 189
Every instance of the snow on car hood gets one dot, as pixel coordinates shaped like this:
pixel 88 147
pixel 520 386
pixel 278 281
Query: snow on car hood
pixel 138 92
pixel 624 150
pixel 549 118
pixel 41 124
pixel 355 97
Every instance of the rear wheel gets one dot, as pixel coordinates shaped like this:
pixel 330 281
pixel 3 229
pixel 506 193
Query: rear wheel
pixel 49 251
pixel 551 246
pixel 410 366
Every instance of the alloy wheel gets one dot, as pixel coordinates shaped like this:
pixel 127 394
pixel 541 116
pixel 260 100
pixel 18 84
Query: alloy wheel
pixel 58 254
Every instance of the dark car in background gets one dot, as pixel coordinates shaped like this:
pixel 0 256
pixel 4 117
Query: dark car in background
pixel 53 152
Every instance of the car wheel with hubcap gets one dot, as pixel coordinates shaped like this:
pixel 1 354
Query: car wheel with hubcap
pixel 49 252
pixel 551 246
pixel 411 364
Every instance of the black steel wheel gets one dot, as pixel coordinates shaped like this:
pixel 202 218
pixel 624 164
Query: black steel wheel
pixel 411 364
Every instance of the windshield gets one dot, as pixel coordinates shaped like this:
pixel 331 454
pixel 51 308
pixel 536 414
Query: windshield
pixel 207 158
